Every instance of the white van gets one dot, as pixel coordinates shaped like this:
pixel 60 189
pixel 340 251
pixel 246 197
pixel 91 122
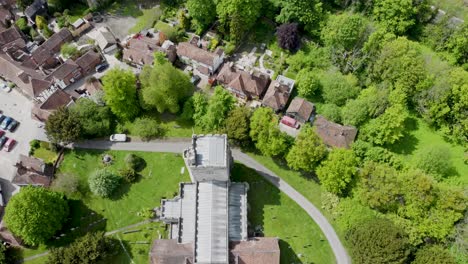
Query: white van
pixel 118 138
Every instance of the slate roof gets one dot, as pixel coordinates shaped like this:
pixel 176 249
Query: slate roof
pixel 242 81
pixel 333 134
pixel 38 7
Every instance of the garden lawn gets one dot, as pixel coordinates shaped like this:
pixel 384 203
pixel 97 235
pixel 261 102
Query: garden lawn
pixel 301 240
pixel 44 153
pixel 147 20
pixel 160 178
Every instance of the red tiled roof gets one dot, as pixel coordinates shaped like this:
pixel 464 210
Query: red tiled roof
pixel 259 250
pixel 300 107
pixel 277 96
pixel 252 85
pixel 190 51
pixel 333 134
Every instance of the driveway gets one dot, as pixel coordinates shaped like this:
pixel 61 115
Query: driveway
pixel 15 105
pixel 177 146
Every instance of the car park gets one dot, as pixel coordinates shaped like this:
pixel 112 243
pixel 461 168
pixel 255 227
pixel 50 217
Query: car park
pixel 5 122
pixel 118 138
pixel 3 140
pixel 13 125
pixel 9 144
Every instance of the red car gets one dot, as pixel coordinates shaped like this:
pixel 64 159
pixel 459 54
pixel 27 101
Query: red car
pixel 9 145
pixel 2 133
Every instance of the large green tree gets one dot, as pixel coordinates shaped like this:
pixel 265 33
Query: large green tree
pixel 388 128
pixel 147 128
pixel 120 93
pixel 338 88
pixel 308 83
pixel 203 12
pixel 371 103
pixel 309 13
pixel 63 126
pixel 395 15
pixel 265 133
pixel 237 125
pixel 435 254
pixel 238 16
pixel 90 248
pixel 164 88
pixel 35 214
pixel 219 105
pixel 378 241
pixel 337 171
pixel 96 120
pixel 307 152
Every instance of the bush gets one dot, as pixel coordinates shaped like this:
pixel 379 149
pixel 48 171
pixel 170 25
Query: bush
pixel 35 144
pixel 118 54
pixel 288 36
pixel 332 112
pixel 103 182
pixel 134 162
pixel 47 32
pixel 147 213
pixel 147 128
pixel 128 175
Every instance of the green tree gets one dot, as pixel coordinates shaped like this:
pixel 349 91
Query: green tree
pixel 265 133
pixel 95 120
pixel 331 111
pixel 338 88
pixel 120 93
pixel 35 214
pixel 69 51
pixel 184 21
pixel 309 13
pixel 237 125
pixel 103 182
pixel 371 103
pixel 200 106
pixel 41 22
pixel 63 126
pixel 134 162
pixel 22 24
pixel 435 160
pixel 93 247
pixel 388 128
pixel 203 12
pixel 238 16
pixel 164 87
pixel 219 105
pixel 337 171
pixel 378 241
pixel 457 45
pixel 147 128
pixel 307 152
pixel 378 187
pixel 308 83
pixel 435 254
pixel 396 16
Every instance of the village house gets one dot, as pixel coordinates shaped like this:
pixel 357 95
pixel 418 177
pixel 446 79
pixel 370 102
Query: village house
pixel 208 220
pixel 65 74
pixel 88 62
pixel 57 98
pixel 278 93
pixel 106 40
pixel 6 17
pixel 32 171
pixel 139 50
pixel 206 62
pixel 333 134
pixel 37 8
pixel 242 84
pixel 300 109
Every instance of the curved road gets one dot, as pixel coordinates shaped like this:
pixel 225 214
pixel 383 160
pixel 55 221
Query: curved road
pixel 178 146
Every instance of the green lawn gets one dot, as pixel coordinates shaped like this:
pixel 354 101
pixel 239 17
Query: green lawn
pixel 44 153
pixel 420 135
pixel 147 19
pixel 160 178
pixel 281 217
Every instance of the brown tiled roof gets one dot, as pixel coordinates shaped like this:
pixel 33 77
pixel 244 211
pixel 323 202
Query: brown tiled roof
pixel 38 86
pixel 88 59
pixel 57 99
pixel 333 134
pixel 40 55
pixel 93 86
pixel 277 96
pixel 138 56
pixel 5 15
pixel 252 85
pixel 64 70
pixel 168 251
pixel 10 35
pixel 259 250
pixel 141 50
pixel 190 51
pixel 32 171
pixel 301 107
pixel 55 42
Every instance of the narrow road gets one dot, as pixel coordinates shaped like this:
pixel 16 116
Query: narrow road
pixel 177 146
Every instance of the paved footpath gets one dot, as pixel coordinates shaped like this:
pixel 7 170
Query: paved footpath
pixel 178 145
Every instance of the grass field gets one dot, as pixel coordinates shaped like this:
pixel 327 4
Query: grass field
pixel 158 179
pixel 281 217
pixel 147 19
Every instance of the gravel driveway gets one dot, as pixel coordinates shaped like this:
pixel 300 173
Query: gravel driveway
pixel 18 107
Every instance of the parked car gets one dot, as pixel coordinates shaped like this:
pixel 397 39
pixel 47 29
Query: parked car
pixel 118 138
pixel 5 87
pixel 195 79
pixel 6 122
pixel 101 67
pixel 3 139
pixel 2 117
pixel 12 126
pixel 9 144
pixel 2 133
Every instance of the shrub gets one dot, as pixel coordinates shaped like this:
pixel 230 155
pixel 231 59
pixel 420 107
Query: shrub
pixel 288 36
pixel 35 144
pixel 147 128
pixel 147 213
pixel 332 112
pixel 103 182
pixel 128 175
pixel 134 162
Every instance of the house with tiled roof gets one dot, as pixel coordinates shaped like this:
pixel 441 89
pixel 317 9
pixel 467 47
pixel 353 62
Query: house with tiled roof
pixel 32 171
pixel 37 8
pixel 242 84
pixel 88 62
pixel 278 93
pixel 333 134
pixel 57 98
pixel 206 62
pixel 208 220
pixel 66 74
pixel 300 109
pixel 140 49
